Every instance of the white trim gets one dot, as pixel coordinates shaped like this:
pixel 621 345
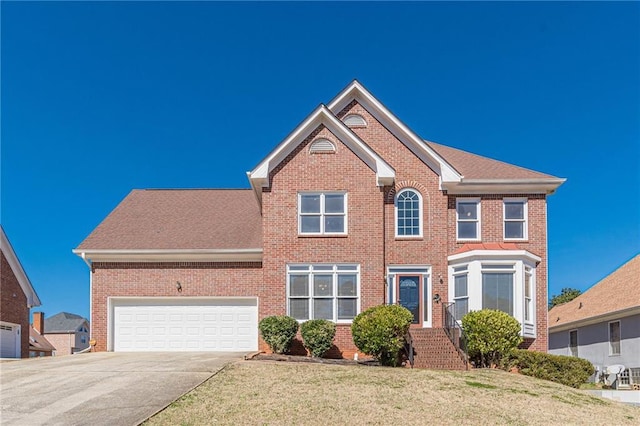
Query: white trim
pixel 355 91
pixel 503 186
pixel 615 315
pixel 171 255
pixel 477 221
pixel 259 176
pixel 494 255
pixel 420 213
pixel 424 271
pixel 524 220
pixel 321 146
pixel 16 267
pixel 322 213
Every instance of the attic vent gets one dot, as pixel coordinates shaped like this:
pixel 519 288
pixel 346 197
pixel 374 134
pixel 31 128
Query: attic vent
pixel 355 120
pixel 322 145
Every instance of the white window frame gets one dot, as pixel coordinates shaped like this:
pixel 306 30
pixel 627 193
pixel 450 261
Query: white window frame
pixel 459 271
pixel 518 262
pixel 573 352
pixel 528 301
pixel 393 271
pixel 420 206
pixel 611 349
pixel 478 219
pixel 506 268
pixel 322 212
pixel 524 220
pixel 335 270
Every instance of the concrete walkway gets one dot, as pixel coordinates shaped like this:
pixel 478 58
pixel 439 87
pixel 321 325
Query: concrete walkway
pixel 103 388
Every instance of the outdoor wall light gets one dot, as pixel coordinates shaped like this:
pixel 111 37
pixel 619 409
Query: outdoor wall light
pixel 178 286
pixel 436 298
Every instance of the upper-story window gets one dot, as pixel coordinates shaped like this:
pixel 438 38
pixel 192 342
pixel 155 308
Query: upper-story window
pixel 355 120
pixel 408 213
pixel 322 213
pixel 515 219
pixel 468 218
pixel 614 338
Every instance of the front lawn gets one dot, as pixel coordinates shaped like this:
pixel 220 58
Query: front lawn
pixel 277 393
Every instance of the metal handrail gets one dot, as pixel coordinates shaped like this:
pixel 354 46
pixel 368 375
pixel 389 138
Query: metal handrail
pixel 454 331
pixel 408 348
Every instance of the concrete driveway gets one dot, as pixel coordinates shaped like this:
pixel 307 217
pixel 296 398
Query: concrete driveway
pixel 103 388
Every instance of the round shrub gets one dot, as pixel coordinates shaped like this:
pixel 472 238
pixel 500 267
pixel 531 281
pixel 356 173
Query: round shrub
pixel 380 331
pixel 278 331
pixel 491 334
pixel 317 336
pixel 567 370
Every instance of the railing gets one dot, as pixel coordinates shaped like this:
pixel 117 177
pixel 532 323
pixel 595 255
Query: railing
pixel 408 348
pixel 454 331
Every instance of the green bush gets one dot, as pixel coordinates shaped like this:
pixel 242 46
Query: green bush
pixel 317 336
pixel 278 331
pixel 567 370
pixel 380 331
pixel 491 334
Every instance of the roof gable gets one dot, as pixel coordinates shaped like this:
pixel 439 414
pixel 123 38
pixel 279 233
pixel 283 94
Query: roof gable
pixel 64 322
pixel 16 267
pixel 615 294
pixel 356 91
pixel 259 176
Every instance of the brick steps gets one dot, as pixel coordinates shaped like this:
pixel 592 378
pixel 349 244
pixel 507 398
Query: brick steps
pixel 433 350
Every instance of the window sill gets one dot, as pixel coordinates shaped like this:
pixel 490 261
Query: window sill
pixel 323 235
pixel 409 238
pixel 516 240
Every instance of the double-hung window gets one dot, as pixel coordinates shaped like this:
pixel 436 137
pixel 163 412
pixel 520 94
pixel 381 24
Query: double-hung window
pixel 515 219
pixel 320 291
pixel 614 338
pixel 528 294
pixel 497 287
pixel 322 213
pixel 460 291
pixel 468 219
pixel 408 214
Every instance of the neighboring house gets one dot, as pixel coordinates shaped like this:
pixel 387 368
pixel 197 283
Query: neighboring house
pixel 68 333
pixel 38 344
pixel 350 211
pixel 602 325
pixel 17 297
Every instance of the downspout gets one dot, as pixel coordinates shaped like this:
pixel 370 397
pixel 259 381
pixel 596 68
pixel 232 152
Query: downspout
pixel 384 249
pixel 90 265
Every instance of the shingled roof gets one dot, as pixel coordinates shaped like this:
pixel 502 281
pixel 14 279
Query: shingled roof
pixel 616 293
pixel 64 322
pixel 180 219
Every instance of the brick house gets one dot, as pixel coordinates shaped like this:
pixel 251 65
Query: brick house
pixel 17 297
pixel 67 333
pixel 350 211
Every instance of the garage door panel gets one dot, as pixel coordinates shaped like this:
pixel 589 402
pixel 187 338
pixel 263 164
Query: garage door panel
pixel 185 325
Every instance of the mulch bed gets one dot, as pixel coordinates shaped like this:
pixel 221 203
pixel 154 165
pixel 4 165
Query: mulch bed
pixel 260 356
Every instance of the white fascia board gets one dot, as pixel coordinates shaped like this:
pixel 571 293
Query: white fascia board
pixel 259 176
pixel 492 255
pixel 609 316
pixel 431 158
pixel 503 186
pixel 186 255
pixel 14 263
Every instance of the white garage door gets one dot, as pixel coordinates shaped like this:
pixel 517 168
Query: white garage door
pixel 185 324
pixel 9 340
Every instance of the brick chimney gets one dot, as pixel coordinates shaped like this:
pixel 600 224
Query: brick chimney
pixel 38 322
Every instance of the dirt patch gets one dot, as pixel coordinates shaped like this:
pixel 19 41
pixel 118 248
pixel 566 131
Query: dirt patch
pixel 309 359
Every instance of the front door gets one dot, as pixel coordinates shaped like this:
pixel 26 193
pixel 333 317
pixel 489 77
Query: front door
pixel 409 295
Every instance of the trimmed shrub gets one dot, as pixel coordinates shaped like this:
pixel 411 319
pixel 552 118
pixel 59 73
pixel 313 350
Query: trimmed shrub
pixel 317 336
pixel 491 334
pixel 567 370
pixel 278 331
pixel 380 331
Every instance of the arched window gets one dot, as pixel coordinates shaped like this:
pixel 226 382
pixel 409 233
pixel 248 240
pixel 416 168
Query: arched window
pixel 355 120
pixel 408 213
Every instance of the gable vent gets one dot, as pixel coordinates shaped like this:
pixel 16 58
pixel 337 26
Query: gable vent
pixel 322 145
pixel 355 120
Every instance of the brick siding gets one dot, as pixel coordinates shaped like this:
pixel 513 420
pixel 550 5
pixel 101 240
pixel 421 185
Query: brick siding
pixel 13 305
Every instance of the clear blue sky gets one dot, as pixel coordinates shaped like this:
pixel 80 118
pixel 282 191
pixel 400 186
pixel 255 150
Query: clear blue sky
pixel 99 98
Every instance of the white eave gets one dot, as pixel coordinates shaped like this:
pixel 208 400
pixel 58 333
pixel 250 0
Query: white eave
pixel 171 255
pixel 25 284
pixel 609 316
pixel 503 186
pixel 493 255
pixel 259 177
pixel 355 90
